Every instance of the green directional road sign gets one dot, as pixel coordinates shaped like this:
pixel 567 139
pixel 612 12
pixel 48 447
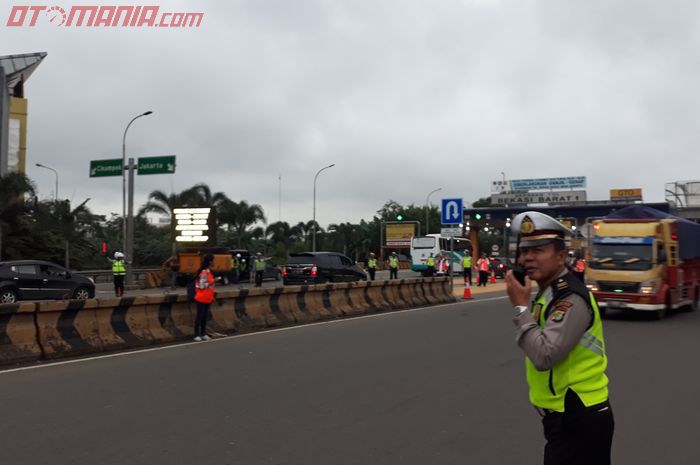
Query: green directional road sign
pixel 157 165
pixel 99 168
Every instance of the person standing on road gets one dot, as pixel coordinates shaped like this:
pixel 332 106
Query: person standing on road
pixel 561 333
pixel 118 273
pixel 371 266
pixel 430 263
pixel 204 296
pixel 173 265
pixel 467 264
pixel 393 266
pixel 483 265
pixel 235 268
pixel 259 269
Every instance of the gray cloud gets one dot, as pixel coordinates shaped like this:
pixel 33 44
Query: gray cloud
pixel 403 97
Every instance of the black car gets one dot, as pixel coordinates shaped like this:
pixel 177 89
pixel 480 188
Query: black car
pixel 320 267
pixel 40 280
pixel 498 266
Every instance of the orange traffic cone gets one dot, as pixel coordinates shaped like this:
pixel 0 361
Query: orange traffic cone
pixel 493 277
pixel 467 291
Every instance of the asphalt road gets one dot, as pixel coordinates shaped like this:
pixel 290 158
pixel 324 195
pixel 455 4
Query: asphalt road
pixel 439 385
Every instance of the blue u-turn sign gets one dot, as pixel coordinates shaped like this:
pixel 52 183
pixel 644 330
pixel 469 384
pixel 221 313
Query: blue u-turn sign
pixel 451 211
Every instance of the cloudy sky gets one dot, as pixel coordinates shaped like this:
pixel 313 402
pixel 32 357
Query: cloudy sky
pixel 404 96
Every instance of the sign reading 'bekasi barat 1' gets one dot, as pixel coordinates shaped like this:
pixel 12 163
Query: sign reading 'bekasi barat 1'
pixel 552 198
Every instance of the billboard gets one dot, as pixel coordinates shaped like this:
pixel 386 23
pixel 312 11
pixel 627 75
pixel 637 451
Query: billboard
pixel 552 198
pixel 400 234
pixel 548 184
pixel 626 194
pixel 500 186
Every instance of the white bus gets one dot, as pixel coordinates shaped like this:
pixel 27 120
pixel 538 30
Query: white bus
pixel 422 247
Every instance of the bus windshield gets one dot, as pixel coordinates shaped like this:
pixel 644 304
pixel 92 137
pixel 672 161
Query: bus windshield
pixel 423 242
pixel 621 257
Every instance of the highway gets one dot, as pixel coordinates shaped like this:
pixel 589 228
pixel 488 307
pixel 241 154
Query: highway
pixel 438 385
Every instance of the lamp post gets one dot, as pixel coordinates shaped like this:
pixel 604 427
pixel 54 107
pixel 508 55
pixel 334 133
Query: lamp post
pixel 427 210
pixel 127 226
pixel 314 219
pixel 55 196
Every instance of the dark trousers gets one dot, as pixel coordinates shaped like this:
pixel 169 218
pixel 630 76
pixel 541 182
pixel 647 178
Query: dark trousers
pixel 258 278
pixel 483 278
pixel 119 285
pixel 468 275
pixel 581 436
pixel 372 272
pixel 200 321
pixel 431 271
pixel 235 276
pixel 393 273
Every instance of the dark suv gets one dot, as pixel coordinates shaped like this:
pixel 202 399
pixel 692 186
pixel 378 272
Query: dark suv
pixel 39 280
pixel 320 267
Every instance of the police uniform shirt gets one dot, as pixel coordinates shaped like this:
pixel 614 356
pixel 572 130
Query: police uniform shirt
pixel 547 346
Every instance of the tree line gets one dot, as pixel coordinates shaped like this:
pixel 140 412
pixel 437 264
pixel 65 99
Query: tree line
pixel 69 234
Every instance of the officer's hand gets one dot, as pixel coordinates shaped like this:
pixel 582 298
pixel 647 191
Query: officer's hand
pixel 517 293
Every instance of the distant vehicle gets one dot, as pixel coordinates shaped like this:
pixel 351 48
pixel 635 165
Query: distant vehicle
pixel 320 267
pixel 498 266
pixel 421 247
pixel 40 280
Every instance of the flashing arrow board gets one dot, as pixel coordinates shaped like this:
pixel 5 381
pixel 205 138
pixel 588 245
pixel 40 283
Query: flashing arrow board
pixel 100 168
pixel 451 211
pixel 157 165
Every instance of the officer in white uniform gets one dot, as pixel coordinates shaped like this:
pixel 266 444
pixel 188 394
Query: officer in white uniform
pixel 560 331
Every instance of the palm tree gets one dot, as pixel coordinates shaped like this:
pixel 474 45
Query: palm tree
pixel 77 227
pixel 282 233
pixel 239 216
pixel 14 187
pixel 160 202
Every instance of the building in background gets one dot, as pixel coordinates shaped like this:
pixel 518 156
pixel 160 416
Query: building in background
pixel 14 72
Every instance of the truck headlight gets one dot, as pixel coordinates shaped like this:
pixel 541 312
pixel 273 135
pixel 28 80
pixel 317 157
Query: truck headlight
pixel 648 287
pixel 591 285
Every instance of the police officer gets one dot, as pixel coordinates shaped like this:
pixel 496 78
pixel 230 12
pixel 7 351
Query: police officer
pixel 467 264
pixel 236 268
pixel 561 333
pixel 393 266
pixel 259 269
pixel 371 265
pixel 118 273
pixel 430 263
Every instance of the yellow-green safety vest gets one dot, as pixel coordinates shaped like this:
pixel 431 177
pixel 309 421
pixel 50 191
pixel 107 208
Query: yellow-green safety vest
pixel 430 261
pixel 372 263
pixel 583 369
pixel 235 263
pixel 118 268
pixel 467 262
pixel 393 262
pixel 259 265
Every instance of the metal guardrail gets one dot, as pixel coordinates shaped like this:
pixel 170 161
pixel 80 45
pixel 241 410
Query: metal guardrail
pixel 105 276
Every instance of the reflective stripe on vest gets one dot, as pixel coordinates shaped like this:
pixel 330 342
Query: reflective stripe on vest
pixel 118 268
pixel 582 370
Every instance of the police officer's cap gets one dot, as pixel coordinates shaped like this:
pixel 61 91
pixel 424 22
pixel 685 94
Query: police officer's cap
pixel 535 228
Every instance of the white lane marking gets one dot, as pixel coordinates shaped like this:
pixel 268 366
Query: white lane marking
pixel 236 336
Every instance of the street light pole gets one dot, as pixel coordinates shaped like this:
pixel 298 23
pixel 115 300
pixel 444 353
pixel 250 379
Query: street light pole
pixel 314 218
pixel 427 210
pixel 127 224
pixel 55 196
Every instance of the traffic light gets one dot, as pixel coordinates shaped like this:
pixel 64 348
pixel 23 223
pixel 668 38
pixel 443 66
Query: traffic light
pixel 399 217
pixel 104 248
pixel 477 216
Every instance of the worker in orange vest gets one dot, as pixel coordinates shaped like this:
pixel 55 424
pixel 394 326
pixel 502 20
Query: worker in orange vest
pixel 204 296
pixel 483 265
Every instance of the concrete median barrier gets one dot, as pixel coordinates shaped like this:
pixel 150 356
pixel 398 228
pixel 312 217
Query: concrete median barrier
pixel 56 329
